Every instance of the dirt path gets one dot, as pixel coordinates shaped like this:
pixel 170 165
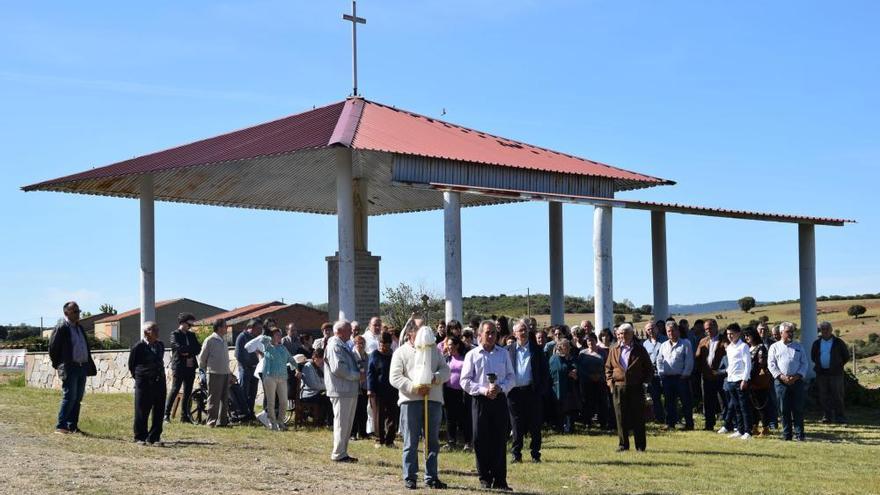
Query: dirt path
pixel 50 463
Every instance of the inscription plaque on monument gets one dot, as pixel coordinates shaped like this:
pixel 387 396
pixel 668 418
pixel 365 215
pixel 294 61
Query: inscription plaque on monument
pixel 366 286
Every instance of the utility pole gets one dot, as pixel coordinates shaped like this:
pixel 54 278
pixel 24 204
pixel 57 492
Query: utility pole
pixel 528 302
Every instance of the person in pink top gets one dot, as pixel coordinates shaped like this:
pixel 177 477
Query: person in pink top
pixel 458 418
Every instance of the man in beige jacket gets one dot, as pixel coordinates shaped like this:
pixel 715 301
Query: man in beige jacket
pixel 412 407
pixel 214 359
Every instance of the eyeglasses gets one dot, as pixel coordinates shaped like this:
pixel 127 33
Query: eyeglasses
pixel 489 332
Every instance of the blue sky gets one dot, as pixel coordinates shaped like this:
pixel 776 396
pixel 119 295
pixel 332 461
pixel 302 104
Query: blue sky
pixel 769 106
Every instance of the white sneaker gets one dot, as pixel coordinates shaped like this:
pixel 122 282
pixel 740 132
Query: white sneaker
pixel 745 436
pixel 723 430
pixel 735 435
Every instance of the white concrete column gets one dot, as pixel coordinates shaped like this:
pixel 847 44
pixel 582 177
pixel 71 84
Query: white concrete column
pixel 807 265
pixel 557 287
pixel 148 250
pixel 345 218
pixel 658 259
pixel 604 311
pixel 452 248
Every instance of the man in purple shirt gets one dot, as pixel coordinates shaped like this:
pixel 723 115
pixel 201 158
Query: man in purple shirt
pixel 487 374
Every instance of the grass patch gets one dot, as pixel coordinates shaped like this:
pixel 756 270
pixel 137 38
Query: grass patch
pixel 836 459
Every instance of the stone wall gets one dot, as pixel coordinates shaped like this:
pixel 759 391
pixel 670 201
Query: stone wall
pixel 113 374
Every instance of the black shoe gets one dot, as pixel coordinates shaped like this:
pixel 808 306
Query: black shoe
pixel 485 485
pixel 503 487
pixel 688 428
pixel 536 460
pixel 515 460
pixel 167 418
pixel 437 484
pixel 347 458
pixel 826 421
pixel 621 448
pixel 409 484
pixel 640 449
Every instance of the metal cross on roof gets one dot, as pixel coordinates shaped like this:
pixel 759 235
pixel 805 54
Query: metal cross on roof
pixel 355 20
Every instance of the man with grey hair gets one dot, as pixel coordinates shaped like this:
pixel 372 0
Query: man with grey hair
pixel 214 360
pixel 404 368
pixel 674 365
pixel 627 370
pixel 342 378
pixel 532 376
pixel 147 366
pixel 829 355
pixel 788 363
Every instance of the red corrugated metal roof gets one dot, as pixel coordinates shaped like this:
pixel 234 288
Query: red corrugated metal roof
pixel 359 124
pixel 267 311
pixel 235 313
pixel 383 128
pixel 136 311
pixel 311 129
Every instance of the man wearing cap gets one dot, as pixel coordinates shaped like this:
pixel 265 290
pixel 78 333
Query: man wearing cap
pixel 185 348
pixel 147 366
pixel 247 364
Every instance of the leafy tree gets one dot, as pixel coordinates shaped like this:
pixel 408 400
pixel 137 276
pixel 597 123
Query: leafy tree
pixel 746 303
pixel 107 308
pixel 856 310
pixel 618 319
pixel 873 338
pixel 637 316
pixel 647 309
pixel 401 301
pixel 85 314
pixel 3 333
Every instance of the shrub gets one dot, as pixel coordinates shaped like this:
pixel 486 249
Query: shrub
pixel 856 310
pixel 746 303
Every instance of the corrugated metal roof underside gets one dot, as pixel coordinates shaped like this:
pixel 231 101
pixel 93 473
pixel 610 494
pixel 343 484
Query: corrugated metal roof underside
pixel 642 205
pixel 303 181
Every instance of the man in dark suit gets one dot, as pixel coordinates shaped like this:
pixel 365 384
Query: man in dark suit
pixel 71 356
pixel 707 361
pixel 247 364
pixel 527 396
pixel 627 370
pixel 185 348
pixel 829 355
pixel 147 366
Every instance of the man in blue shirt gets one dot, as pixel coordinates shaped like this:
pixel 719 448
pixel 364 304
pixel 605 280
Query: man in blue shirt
pixel 652 345
pixel 675 362
pixel 487 375
pixel 526 398
pixel 829 355
pixel 788 363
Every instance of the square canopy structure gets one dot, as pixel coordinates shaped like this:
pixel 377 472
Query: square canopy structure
pixel 357 158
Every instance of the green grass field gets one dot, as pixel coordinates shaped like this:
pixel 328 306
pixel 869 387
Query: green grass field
pixel 251 459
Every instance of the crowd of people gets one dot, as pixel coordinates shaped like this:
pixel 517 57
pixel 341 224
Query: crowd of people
pixel 492 382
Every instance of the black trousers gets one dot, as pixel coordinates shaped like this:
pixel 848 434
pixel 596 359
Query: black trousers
pixel 491 427
pixel 185 378
pixel 458 415
pixel 526 415
pixel 149 398
pixel 359 428
pixel 714 402
pixel 629 407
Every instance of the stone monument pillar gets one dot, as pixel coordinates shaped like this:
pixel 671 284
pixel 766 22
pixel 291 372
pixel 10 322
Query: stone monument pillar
pixel 366 285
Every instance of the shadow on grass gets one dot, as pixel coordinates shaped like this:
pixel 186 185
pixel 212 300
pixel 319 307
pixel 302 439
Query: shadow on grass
pixel 841 437
pixel 718 452
pixel 624 463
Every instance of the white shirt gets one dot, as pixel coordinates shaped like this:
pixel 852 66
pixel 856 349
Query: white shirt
pixel 713 346
pixel 739 362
